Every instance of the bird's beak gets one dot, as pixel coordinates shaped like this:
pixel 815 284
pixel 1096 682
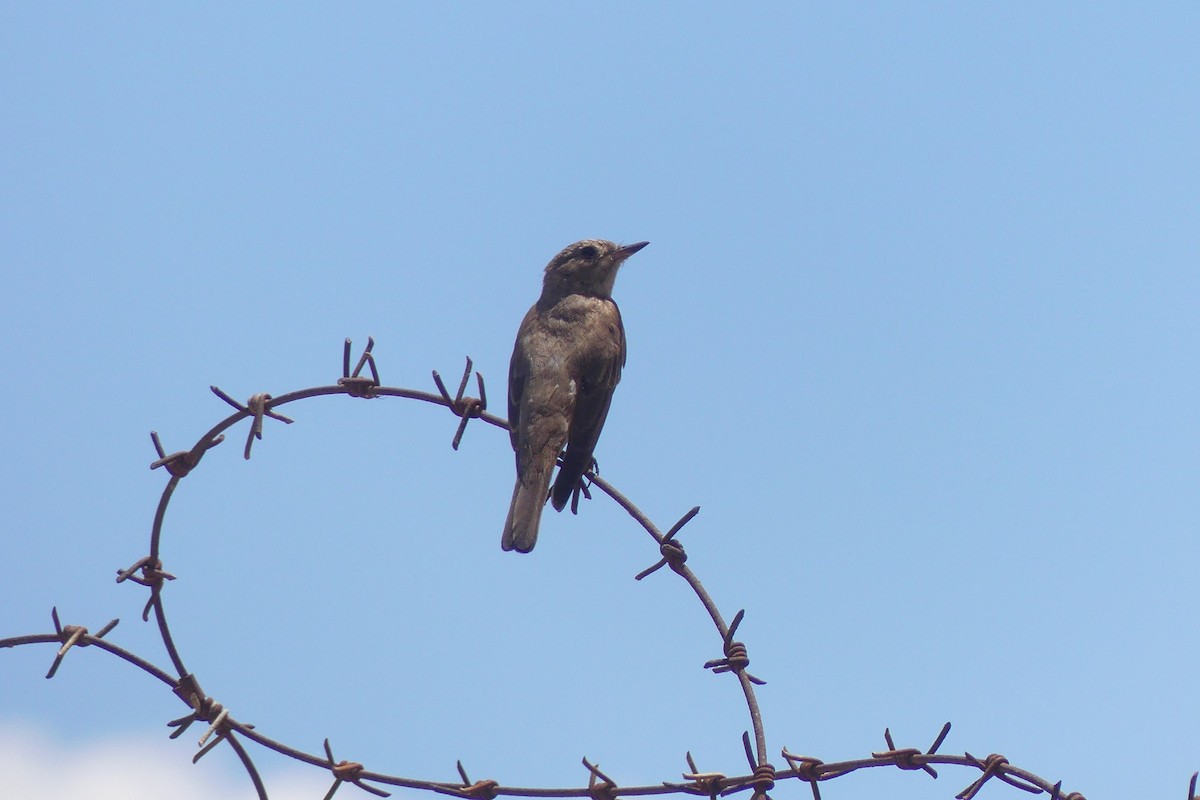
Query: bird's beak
pixel 628 250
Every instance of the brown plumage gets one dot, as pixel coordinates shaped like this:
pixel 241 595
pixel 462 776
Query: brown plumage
pixel 566 362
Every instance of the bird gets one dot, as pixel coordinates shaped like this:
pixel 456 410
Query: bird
pixel 566 362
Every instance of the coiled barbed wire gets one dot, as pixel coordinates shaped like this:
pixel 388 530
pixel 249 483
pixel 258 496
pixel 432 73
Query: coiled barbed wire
pixel 223 727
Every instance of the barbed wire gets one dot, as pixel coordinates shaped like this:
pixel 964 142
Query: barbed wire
pixel 223 727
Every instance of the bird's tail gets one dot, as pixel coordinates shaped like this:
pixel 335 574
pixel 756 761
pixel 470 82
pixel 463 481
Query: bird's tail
pixel 525 512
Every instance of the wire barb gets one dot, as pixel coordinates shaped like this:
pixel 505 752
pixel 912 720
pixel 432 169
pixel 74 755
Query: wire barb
pixel 806 769
pixel 71 635
pixel 355 383
pixel 465 407
pixel 702 783
pixel 348 772
pixel 672 551
pixel 907 758
pixel 479 790
pixel 258 406
pixel 204 709
pixel 736 657
pixel 152 576
pixel 600 786
pixel 181 462
pixel 994 766
pixel 763 779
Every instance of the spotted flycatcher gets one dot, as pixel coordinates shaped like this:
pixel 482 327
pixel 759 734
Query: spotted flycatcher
pixel 565 365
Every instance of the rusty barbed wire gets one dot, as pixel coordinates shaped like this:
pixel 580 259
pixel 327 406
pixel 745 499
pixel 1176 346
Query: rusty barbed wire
pixel 223 727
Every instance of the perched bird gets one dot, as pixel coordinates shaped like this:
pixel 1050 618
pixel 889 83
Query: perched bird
pixel 567 360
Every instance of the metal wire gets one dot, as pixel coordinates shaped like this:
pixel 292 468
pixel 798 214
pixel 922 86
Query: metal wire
pixel 223 727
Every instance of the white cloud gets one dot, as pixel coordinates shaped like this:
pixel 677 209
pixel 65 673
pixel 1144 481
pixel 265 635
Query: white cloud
pixel 34 766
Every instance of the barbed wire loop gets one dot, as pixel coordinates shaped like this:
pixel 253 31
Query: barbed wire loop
pixel 223 727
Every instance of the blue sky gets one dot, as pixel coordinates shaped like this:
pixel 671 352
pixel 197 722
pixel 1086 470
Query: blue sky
pixel 916 330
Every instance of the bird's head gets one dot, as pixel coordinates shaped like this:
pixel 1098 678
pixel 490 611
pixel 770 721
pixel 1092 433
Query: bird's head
pixel 588 267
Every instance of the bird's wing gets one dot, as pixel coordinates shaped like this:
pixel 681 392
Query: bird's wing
pixel 598 377
pixel 518 372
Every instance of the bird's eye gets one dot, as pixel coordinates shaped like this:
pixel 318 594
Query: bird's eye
pixel 589 252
